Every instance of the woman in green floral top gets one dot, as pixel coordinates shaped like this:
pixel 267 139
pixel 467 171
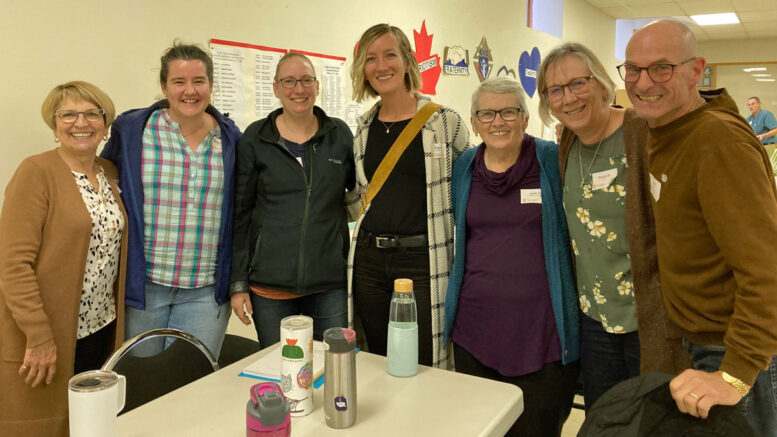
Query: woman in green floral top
pixel 578 92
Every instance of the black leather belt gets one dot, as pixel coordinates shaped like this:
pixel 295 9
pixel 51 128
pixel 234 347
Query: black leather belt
pixel 386 241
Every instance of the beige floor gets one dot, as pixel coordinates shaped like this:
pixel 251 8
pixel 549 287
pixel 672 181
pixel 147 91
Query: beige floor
pixel 571 426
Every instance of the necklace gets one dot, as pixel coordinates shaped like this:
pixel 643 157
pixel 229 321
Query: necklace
pixel 580 157
pixel 388 127
pixel 596 152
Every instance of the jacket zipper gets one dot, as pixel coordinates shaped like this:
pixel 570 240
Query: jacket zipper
pixel 309 184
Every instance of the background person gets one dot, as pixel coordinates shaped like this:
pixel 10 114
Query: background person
pixel 62 269
pixel 715 205
pixel 603 163
pixel 176 163
pixel 291 230
pixel 762 121
pixel 511 305
pixel 407 230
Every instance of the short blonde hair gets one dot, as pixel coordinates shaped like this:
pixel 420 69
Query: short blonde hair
pixel 591 62
pixel 77 90
pixel 361 86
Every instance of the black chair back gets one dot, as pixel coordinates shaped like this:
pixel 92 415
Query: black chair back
pixel 185 360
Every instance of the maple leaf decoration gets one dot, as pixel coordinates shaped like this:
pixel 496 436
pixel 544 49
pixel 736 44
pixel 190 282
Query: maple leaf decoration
pixel 428 64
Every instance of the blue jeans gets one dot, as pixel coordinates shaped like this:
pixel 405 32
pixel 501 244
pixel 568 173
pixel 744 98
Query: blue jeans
pixel 192 310
pixel 605 359
pixel 328 309
pixel 760 405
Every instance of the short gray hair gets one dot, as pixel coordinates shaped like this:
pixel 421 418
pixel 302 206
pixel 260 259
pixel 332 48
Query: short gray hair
pixel 501 85
pixel 588 58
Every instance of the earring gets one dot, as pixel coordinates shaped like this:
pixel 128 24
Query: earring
pixel 56 139
pixel 105 138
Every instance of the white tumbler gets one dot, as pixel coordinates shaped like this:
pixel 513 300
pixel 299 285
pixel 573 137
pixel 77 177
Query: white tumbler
pixel 94 399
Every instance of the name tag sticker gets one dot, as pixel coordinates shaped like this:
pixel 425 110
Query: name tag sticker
pixel 437 152
pixel 533 195
pixel 603 179
pixel 655 187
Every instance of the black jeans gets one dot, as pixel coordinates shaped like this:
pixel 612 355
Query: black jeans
pixel 547 393
pixel 606 358
pixel 93 350
pixel 374 272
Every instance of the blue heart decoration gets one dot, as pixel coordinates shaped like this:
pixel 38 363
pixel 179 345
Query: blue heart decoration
pixel 527 70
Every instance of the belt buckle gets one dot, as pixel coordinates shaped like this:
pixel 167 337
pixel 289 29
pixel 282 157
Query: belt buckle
pixel 380 240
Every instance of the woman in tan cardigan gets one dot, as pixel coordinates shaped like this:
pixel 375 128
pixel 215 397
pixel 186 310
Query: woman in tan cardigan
pixel 61 265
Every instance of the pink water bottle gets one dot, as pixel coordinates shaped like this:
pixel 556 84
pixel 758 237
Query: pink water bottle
pixel 267 413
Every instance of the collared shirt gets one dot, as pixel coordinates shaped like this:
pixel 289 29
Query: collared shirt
pixel 98 303
pixel 763 123
pixel 182 198
pixel 594 201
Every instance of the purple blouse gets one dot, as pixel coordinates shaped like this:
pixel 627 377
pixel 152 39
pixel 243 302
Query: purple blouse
pixel 504 317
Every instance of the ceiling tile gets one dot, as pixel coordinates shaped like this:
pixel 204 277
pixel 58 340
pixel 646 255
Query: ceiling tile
pixel 604 3
pixel 758 16
pixel 698 7
pixel 755 27
pixel 763 34
pixel 723 28
pixel 657 10
pixel 753 5
pixel 728 35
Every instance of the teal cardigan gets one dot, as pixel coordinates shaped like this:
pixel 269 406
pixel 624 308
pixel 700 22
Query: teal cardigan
pixel 555 239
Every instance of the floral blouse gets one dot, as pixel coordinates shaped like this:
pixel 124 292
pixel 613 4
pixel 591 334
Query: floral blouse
pixel 98 303
pixel 594 203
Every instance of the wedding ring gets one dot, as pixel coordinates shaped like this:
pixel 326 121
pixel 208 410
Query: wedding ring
pixel 25 367
pixel 694 395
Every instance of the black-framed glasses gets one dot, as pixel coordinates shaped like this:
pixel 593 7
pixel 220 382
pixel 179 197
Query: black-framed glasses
pixel 290 82
pixel 577 86
pixel 91 115
pixel 489 115
pixel 658 73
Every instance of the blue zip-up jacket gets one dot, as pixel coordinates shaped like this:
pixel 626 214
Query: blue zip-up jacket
pixel 125 149
pixel 555 239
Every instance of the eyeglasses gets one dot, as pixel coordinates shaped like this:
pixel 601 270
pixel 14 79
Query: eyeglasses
pixel 290 82
pixel 577 86
pixel 658 73
pixel 489 115
pixel 91 115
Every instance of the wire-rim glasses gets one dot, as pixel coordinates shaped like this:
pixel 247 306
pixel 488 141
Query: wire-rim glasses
pixel 290 82
pixel 577 86
pixel 69 116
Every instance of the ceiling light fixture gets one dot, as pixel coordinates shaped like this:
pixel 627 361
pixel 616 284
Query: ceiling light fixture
pixel 749 70
pixel 765 80
pixel 715 19
pixel 761 75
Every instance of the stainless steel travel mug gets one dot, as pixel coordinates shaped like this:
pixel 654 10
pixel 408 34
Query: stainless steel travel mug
pixel 340 377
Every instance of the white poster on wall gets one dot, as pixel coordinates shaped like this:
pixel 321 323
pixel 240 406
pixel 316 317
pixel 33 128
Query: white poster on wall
pixel 330 71
pixel 243 77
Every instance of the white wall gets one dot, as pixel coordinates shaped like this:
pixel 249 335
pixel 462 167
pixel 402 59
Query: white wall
pixel 116 45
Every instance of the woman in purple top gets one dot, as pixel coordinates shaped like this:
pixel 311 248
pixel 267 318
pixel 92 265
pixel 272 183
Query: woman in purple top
pixel 511 303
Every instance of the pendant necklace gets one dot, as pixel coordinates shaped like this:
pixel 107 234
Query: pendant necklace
pixel 596 152
pixel 580 156
pixel 388 127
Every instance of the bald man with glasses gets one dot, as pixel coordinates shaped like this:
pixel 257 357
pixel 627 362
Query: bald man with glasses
pixel 715 205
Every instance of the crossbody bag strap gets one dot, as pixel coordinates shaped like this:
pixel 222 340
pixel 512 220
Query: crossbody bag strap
pixel 397 149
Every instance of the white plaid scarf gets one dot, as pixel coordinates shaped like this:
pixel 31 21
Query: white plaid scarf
pixel 444 127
